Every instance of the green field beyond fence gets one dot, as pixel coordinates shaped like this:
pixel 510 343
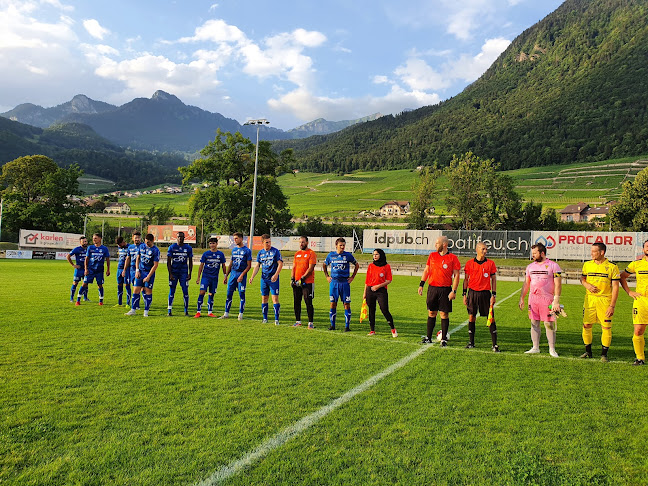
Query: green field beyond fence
pixel 90 396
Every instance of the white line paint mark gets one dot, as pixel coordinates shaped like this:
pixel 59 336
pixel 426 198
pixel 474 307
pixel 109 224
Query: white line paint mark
pixel 294 430
pixel 465 323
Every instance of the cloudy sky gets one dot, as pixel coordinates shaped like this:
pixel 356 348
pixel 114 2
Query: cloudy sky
pixel 288 61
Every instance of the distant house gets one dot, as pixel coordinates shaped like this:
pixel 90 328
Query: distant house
pixel 118 208
pixel 395 208
pixel 574 212
pixel 582 212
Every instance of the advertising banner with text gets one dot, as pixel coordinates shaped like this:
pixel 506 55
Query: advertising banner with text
pixel 48 239
pixel 411 242
pixel 500 244
pixel 576 245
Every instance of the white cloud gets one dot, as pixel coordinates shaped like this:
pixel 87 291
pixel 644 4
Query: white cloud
pixel 304 105
pixel 470 68
pixel 216 30
pixel 213 6
pixel 380 79
pixel 418 75
pixel 147 73
pixel 95 29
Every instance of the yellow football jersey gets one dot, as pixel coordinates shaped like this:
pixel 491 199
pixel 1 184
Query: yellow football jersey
pixel 601 276
pixel 640 268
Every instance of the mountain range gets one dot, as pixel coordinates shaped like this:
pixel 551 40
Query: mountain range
pixel 160 123
pixel 571 88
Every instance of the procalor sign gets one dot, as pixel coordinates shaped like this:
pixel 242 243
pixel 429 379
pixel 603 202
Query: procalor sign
pixel 48 239
pixel 575 245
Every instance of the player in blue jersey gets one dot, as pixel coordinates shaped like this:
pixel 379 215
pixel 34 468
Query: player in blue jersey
pixel 210 263
pixel 180 266
pixel 79 254
pixel 270 261
pixel 148 260
pixel 122 255
pixel 239 266
pixel 339 281
pixel 96 255
pixel 130 266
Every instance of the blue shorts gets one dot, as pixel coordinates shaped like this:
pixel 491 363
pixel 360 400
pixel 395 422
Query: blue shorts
pixel 232 284
pixel 209 284
pixel 88 279
pixel 121 280
pixel 269 287
pixel 340 289
pixel 79 273
pixel 139 282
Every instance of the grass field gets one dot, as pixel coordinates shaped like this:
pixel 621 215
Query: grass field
pixel 90 184
pixel 333 196
pixel 555 186
pixel 90 396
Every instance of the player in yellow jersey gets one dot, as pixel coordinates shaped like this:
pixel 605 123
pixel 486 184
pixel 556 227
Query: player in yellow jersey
pixel 640 304
pixel 600 278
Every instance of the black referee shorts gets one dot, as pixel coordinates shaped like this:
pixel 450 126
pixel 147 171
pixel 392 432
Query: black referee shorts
pixel 437 299
pixel 478 300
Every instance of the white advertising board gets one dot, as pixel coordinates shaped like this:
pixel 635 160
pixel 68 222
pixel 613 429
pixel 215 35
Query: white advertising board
pixel 575 245
pixel 48 239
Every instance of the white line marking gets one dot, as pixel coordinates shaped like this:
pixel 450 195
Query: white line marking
pixel 297 428
pixel 294 430
pixel 465 323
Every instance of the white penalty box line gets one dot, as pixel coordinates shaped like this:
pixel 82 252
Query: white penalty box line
pixel 292 431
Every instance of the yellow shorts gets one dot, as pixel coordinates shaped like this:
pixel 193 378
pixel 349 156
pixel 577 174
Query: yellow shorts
pixel 640 311
pixel 594 310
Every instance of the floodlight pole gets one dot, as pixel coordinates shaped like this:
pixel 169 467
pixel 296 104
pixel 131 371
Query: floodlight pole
pixel 1 202
pixel 258 123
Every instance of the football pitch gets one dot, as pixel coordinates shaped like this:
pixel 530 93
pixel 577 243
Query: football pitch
pixel 90 396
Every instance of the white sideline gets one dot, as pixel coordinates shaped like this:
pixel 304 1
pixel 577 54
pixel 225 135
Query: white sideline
pixel 294 430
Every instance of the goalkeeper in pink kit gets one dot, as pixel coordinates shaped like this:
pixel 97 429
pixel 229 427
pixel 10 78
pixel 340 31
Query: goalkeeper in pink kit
pixel 543 284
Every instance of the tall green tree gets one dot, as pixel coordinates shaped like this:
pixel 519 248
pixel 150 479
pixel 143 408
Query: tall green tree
pixel 422 198
pixel 38 194
pixel 479 196
pixel 631 212
pixel 226 171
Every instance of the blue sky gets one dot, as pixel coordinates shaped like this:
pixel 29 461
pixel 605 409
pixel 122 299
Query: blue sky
pixel 290 61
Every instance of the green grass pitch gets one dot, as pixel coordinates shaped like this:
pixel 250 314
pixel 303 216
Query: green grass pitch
pixel 90 396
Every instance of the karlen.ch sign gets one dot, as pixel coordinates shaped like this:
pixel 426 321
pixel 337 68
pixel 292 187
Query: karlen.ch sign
pixel 47 239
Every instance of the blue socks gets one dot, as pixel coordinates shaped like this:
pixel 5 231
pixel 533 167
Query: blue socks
pixel 264 311
pixel 201 297
pixel 332 316
pixel 347 317
pixel 276 310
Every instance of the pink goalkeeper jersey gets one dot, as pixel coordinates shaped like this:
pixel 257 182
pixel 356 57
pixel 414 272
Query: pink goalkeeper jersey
pixel 542 277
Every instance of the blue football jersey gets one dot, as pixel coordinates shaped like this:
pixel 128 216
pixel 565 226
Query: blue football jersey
pixel 269 260
pixel 122 253
pixel 133 251
pixel 340 264
pixel 179 257
pixel 213 261
pixel 79 253
pixel 96 255
pixel 148 256
pixel 240 257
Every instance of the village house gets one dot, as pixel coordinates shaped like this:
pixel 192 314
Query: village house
pixel 118 208
pixel 395 208
pixel 582 212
